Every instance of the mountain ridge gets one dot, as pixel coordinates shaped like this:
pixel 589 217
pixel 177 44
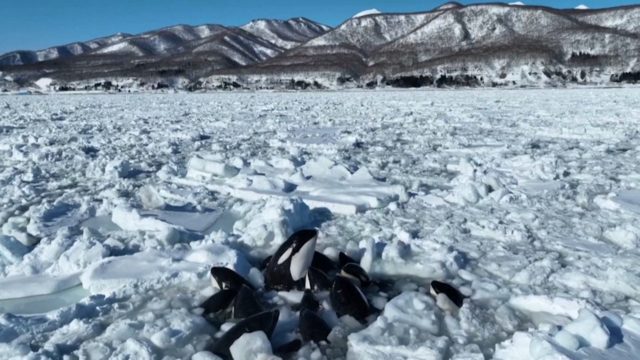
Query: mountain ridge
pixel 490 44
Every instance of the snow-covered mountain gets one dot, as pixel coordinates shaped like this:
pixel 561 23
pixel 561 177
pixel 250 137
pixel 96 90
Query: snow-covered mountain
pixel 286 34
pixel 366 12
pixel 480 44
pixel 165 41
pixel 23 57
pixel 496 42
pixel 159 41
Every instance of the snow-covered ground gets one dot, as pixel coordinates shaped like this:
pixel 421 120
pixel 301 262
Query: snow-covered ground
pixel 113 208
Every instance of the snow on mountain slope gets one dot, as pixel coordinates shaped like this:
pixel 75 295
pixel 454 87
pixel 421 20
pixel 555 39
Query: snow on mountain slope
pixel 160 41
pixel 625 18
pixel 129 47
pixel 281 34
pixel 28 57
pixel 449 5
pixel 490 41
pixel 366 12
pixel 58 52
pixel 487 40
pixel 107 40
pixel 202 49
pixel 19 58
pixel 236 44
pixel 371 31
pixel 286 34
pixel 480 25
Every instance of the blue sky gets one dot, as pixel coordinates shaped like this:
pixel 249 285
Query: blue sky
pixel 38 24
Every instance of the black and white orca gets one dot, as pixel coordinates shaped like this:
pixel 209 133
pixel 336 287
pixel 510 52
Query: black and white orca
pixel 246 304
pixel 219 301
pixel 316 280
pixel 309 301
pixel 344 259
pixel 312 327
pixel 356 273
pixel 452 293
pixel 224 278
pixel 348 299
pixel 265 321
pixel 265 262
pixel 323 263
pixel 292 260
pixel 288 348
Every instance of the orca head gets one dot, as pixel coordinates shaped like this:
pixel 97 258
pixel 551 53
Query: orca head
pixel 345 259
pixel 348 299
pixel 312 327
pixel 356 273
pixel 316 280
pixel 218 301
pixel 309 301
pixel 438 287
pixel 297 252
pixel 265 262
pixel 323 263
pixel 224 278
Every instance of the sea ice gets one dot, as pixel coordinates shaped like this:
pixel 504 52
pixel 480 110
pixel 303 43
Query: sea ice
pixel 114 208
pixel 253 345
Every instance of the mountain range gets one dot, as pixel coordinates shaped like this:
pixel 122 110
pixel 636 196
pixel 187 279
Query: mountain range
pixel 493 44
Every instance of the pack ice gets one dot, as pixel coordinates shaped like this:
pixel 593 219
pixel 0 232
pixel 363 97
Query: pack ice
pixel 113 209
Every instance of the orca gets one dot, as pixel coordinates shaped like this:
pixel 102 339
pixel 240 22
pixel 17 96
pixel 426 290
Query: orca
pixel 265 321
pixel 265 262
pixel 291 261
pixel 345 259
pixel 309 301
pixel 456 297
pixel 323 263
pixel 224 278
pixel 219 301
pixel 356 272
pixel 288 348
pixel 246 304
pixel 317 280
pixel 312 327
pixel 348 299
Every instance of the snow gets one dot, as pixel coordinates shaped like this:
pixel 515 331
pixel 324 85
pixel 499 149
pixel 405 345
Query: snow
pixel 366 12
pixel 524 200
pixel 589 330
pixel 285 34
pixel 15 287
pixel 412 313
pixel 144 268
pixel 449 5
pixel 582 7
pixel 517 3
pixel 44 83
pixel 320 183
